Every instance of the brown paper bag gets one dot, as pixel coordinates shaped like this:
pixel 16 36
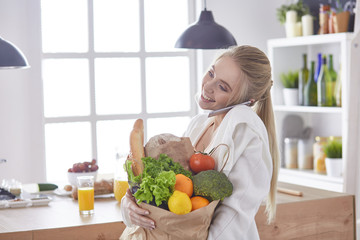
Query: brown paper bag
pixel 170 226
pixel 179 149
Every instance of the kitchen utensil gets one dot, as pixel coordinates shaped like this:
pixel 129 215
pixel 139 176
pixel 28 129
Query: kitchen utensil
pixel 290 191
pixel 222 110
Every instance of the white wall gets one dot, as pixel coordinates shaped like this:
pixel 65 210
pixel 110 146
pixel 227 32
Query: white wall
pixel 21 129
pixel 21 111
pixel 251 22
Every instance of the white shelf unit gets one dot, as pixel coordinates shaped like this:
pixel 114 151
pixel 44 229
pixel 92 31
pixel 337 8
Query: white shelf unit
pixel 286 54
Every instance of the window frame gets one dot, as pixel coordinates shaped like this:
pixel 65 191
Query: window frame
pixel 91 55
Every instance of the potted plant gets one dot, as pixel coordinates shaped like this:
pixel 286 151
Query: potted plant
pixel 290 16
pixel 290 81
pixel 333 160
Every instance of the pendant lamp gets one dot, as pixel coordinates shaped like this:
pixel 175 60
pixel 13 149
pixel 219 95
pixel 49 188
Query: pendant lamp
pixel 205 34
pixel 11 56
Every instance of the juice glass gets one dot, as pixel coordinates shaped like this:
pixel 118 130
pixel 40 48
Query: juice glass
pixel 86 195
pixel 120 177
pixel 120 187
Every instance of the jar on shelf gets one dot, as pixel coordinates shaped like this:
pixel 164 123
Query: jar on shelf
pixel 291 152
pixel 305 153
pixel 319 154
pixel 324 18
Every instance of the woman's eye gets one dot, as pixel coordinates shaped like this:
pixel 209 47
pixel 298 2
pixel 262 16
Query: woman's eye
pixel 211 74
pixel 222 88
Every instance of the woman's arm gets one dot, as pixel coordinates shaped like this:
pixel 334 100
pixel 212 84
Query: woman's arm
pixel 133 214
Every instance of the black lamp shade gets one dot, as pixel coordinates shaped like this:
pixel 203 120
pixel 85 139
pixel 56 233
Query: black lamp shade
pixel 206 34
pixel 11 56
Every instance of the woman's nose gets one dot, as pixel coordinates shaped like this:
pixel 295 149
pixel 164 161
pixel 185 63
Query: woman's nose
pixel 210 84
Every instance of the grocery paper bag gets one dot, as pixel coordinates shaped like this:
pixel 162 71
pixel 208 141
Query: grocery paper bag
pixel 170 226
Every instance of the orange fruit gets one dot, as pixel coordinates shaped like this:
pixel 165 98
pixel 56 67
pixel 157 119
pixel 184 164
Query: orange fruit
pixel 198 202
pixel 184 184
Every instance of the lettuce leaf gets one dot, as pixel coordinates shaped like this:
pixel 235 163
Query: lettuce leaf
pixel 161 187
pixel 154 167
pixel 157 180
pixel 131 177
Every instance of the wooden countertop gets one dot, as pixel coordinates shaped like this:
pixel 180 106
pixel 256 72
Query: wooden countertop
pixel 308 194
pixel 62 213
pixel 318 214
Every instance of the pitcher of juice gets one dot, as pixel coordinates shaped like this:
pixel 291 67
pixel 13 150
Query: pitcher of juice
pixel 120 177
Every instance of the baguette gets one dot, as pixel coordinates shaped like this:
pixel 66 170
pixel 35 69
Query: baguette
pixel 137 147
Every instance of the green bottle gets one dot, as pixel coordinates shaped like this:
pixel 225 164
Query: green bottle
pixel 337 90
pixel 303 78
pixel 333 75
pixel 310 90
pixel 324 86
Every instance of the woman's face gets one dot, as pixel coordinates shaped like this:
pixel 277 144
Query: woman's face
pixel 219 84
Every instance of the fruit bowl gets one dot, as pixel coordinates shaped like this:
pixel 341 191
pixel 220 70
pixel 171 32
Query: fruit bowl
pixel 72 176
pixel 82 169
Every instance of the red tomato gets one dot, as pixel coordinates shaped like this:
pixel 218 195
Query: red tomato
pixel 201 162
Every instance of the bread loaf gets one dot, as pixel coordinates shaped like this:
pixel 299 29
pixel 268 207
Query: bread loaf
pixel 179 149
pixel 137 147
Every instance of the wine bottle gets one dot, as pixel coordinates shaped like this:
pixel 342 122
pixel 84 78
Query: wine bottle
pixel 303 78
pixel 337 90
pixel 318 67
pixel 310 91
pixel 333 75
pixel 324 86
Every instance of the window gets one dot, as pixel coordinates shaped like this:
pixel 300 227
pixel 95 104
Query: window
pixel 106 63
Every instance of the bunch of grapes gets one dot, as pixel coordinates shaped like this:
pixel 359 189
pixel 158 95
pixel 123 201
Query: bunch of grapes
pixel 84 167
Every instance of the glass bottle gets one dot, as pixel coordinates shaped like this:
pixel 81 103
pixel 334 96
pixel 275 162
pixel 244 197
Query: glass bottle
pixel 333 75
pixel 337 90
pixel 310 91
pixel 318 67
pixel 324 86
pixel 303 78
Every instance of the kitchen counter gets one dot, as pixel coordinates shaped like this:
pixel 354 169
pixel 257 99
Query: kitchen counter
pixel 318 214
pixel 61 220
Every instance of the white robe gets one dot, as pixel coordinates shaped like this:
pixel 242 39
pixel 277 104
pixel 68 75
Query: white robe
pixel 249 168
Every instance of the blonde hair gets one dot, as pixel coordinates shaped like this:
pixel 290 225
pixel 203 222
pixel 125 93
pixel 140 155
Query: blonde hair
pixel 255 84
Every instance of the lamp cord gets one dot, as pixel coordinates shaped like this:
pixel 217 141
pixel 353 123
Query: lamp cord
pixel 205 5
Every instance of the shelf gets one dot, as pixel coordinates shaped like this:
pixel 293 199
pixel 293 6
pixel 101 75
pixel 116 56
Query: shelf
pixel 311 179
pixel 307 109
pixel 310 40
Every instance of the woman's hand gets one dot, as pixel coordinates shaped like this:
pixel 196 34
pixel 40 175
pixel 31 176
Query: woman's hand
pixel 136 214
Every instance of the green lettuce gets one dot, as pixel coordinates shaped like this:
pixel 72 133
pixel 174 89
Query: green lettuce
pixel 159 188
pixel 153 166
pixel 157 180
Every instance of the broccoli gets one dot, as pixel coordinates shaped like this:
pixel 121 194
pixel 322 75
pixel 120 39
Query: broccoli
pixel 212 185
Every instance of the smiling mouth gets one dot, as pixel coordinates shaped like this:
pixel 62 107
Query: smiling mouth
pixel 206 98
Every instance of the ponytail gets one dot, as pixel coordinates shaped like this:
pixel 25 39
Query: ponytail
pixel 264 110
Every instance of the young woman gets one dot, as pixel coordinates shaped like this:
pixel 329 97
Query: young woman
pixel 246 137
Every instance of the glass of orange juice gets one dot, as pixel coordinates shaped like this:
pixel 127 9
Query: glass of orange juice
pixel 120 177
pixel 86 195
